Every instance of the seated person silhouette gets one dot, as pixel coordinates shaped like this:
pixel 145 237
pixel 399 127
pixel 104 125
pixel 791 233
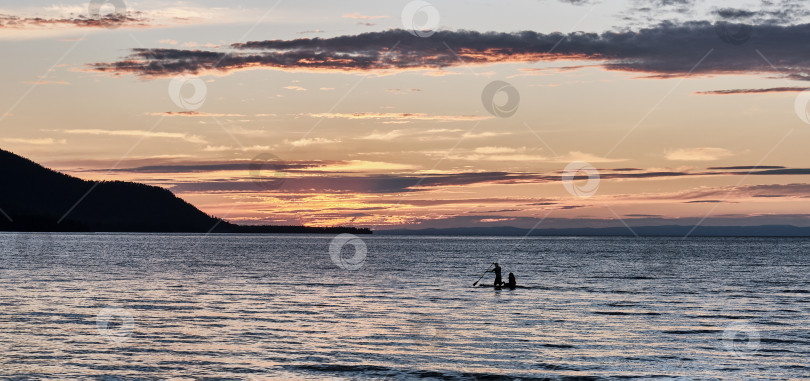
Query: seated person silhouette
pixel 512 281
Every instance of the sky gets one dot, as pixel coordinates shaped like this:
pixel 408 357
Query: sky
pixel 416 114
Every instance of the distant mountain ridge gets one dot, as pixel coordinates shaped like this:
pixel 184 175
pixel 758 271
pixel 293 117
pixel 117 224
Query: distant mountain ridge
pixel 644 231
pixel 35 198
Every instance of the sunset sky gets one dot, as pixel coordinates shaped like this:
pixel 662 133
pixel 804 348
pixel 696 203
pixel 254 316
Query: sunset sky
pixel 390 114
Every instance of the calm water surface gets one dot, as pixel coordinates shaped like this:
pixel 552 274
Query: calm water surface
pixel 157 306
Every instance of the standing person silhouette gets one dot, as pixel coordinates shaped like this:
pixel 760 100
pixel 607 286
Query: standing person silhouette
pixel 497 271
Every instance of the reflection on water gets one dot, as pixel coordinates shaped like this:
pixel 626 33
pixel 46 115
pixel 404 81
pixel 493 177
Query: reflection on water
pixel 279 306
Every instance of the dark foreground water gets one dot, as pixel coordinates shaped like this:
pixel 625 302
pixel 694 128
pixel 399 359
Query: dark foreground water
pixel 157 306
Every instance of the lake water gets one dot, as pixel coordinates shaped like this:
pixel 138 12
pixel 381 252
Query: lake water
pixel 226 306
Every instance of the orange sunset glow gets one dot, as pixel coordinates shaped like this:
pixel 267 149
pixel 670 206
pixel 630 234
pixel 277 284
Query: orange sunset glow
pixel 327 120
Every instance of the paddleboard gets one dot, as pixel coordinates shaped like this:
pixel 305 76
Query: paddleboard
pixel 501 287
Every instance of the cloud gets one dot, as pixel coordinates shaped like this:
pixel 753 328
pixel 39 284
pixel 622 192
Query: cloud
pixel 44 141
pixel 363 166
pixel 771 12
pixel 311 141
pixel 137 133
pixel 487 134
pixel 130 19
pixel 192 114
pixel 341 181
pixel 296 88
pixel 431 134
pixel 385 136
pixel 359 16
pixel 698 154
pixel 718 194
pixel 498 150
pixel 360 176
pixel 663 51
pixel 229 148
pixel 312 31
pixel 525 158
pixel 749 167
pixel 400 116
pixel 214 166
pixel 400 91
pixel 754 91
pixel 374 183
pixel 768 12
pixel 503 219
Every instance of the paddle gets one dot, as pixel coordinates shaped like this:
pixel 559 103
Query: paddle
pixel 482 276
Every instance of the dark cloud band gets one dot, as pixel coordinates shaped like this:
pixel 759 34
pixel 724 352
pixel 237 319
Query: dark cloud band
pixel 666 50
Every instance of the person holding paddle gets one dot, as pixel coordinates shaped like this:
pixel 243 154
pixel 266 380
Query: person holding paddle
pixel 512 284
pixel 497 271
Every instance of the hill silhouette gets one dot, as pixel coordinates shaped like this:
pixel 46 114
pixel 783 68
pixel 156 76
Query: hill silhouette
pixel 35 198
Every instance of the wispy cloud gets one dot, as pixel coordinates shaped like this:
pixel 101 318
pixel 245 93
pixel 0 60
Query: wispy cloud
pixel 43 141
pixel 193 114
pixel 400 116
pixel 754 91
pixel 311 141
pixel 137 133
pixel 385 136
pixel 254 148
pixel 360 16
pixel 698 154
pixel 486 134
pixel 430 134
